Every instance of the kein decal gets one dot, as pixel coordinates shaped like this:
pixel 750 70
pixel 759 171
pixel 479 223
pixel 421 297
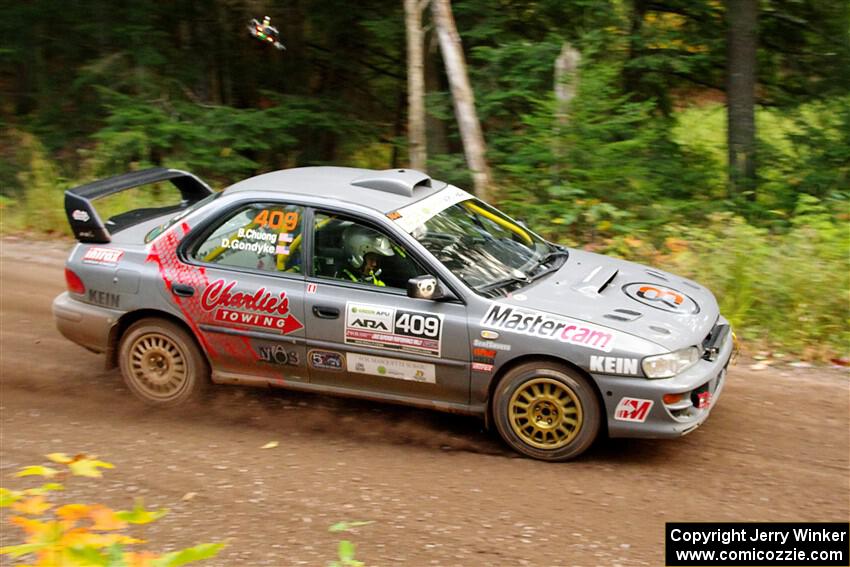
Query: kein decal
pixel 546 326
pixel 633 409
pixel 479 367
pixel 103 298
pixel 614 365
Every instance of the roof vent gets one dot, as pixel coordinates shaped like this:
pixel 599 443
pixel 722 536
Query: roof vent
pixel 397 181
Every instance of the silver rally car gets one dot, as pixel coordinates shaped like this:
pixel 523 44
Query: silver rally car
pixel 392 286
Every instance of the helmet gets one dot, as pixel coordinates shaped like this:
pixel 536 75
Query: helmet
pixel 359 241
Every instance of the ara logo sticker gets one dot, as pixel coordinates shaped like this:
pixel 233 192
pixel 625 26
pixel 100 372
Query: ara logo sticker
pixel 633 409
pixel 80 215
pixel 258 309
pixel 546 326
pixel 661 297
pixel 108 256
pixel 614 365
pixel 393 329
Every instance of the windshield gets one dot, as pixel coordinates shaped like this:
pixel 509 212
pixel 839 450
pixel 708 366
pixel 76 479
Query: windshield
pixel 491 253
pixel 182 214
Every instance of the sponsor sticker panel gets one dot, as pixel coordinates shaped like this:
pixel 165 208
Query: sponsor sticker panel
pixel 393 329
pixel 391 368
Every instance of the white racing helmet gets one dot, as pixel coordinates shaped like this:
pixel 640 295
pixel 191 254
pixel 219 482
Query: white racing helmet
pixel 359 241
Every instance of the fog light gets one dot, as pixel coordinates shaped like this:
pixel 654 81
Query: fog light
pixel 670 399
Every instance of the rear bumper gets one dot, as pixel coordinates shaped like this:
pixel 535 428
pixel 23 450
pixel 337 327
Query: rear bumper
pixel 85 324
pixel 700 386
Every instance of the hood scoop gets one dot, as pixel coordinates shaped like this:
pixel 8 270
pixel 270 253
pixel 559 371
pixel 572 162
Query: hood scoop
pixel 596 281
pixel 625 315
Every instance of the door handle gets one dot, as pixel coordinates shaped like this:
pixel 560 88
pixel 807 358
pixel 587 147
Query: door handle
pixel 182 290
pixel 323 312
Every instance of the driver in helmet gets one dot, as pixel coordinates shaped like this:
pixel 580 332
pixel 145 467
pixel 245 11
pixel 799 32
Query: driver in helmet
pixel 364 249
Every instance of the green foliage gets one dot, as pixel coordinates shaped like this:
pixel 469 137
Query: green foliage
pixel 789 291
pixel 345 548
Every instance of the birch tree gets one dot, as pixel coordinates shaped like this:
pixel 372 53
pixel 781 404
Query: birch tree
pixel 464 99
pixel 417 141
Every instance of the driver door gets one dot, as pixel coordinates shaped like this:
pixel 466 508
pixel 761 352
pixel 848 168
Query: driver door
pixel 375 339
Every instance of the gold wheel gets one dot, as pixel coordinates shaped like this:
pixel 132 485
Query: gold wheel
pixel 545 413
pixel 157 366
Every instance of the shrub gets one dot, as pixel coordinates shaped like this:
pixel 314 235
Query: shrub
pixel 83 535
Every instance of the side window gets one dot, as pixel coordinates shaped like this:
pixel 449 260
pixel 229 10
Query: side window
pixel 348 250
pixel 260 236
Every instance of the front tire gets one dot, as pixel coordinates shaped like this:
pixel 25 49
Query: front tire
pixel 546 410
pixel 161 364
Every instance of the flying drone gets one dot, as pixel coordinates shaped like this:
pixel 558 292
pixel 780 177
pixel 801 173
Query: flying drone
pixel 265 32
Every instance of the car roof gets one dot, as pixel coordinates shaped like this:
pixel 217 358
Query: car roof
pixel 383 190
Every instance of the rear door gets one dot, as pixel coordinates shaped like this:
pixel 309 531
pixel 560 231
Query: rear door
pixel 365 334
pixel 246 296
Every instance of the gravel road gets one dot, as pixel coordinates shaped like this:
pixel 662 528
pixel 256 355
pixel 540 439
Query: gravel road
pixel 438 489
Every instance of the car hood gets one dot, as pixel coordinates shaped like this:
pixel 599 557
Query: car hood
pixel 669 310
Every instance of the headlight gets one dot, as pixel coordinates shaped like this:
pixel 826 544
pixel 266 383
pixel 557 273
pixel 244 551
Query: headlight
pixel 670 364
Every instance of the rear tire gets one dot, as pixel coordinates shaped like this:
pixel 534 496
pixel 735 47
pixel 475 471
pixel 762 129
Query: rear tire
pixel 547 411
pixel 161 363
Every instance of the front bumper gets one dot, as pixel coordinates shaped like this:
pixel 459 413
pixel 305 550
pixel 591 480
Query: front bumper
pixel 85 324
pixel 700 386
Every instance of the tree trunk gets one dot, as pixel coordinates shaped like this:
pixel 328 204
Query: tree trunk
pixel 435 128
pixel 566 86
pixel 417 142
pixel 464 100
pixel 741 16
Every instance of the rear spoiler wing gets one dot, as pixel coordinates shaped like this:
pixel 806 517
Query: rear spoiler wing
pixel 87 224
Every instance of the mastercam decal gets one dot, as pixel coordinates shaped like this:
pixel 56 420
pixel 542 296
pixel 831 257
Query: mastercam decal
pixel 547 326
pixel 391 368
pixel 393 329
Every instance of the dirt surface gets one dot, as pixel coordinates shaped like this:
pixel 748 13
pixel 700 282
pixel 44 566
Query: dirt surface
pixel 439 490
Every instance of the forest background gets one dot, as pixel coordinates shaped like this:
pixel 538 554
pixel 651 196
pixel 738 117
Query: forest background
pixel 635 164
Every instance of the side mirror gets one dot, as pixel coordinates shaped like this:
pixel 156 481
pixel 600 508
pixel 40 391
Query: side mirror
pixel 426 287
